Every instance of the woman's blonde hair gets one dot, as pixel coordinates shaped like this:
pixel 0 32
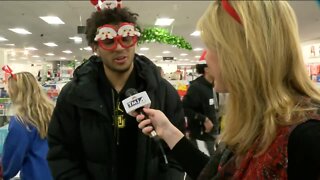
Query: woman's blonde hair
pixel 261 64
pixel 33 106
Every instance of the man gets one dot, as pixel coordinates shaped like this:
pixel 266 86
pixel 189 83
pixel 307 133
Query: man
pixel 200 106
pixel 90 136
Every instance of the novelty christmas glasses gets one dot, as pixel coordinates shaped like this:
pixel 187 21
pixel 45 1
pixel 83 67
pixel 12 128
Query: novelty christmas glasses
pixel 109 36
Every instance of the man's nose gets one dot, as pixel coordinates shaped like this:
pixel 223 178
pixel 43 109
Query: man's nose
pixel 119 47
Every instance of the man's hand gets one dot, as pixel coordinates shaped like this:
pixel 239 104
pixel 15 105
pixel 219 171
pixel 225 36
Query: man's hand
pixel 208 125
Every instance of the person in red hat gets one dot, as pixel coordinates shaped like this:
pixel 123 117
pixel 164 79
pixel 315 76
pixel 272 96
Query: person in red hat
pixel 200 105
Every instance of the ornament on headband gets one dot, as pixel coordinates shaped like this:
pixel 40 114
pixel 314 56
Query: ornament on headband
pixel 108 36
pixel 8 70
pixel 106 4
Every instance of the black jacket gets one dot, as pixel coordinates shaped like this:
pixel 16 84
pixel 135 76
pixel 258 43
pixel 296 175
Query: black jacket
pixel 198 104
pixel 81 135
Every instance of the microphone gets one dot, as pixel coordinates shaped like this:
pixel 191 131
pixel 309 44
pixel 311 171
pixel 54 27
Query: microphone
pixel 135 102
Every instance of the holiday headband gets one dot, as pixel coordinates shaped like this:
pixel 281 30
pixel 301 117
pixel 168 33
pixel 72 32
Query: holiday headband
pixel 109 36
pixel 230 10
pixel 106 4
pixel 8 70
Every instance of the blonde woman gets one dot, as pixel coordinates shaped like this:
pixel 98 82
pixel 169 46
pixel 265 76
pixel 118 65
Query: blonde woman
pixel 26 147
pixel 272 127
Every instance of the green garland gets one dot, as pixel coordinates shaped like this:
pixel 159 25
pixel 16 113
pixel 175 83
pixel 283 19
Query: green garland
pixel 163 36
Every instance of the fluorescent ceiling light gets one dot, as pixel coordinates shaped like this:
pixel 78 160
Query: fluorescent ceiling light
pixel 24 58
pixel 88 48
pixel 195 33
pixel 63 58
pixel 76 39
pixel 3 39
pixel 198 49
pixel 164 22
pixel 26 52
pixel 35 56
pixel 144 49
pixel 166 52
pixel 50 54
pixel 31 48
pixel 183 54
pixel 158 56
pixel 67 51
pixel 52 19
pixel 50 44
pixel 10 44
pixel 197 56
pixel 20 31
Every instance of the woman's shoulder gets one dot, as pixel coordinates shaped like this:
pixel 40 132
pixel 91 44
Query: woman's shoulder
pixel 17 124
pixel 306 134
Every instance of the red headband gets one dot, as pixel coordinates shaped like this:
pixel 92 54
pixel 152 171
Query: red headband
pixel 8 70
pixel 230 10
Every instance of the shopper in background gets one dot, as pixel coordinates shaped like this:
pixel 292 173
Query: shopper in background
pixel 25 148
pixel 200 108
pixel 272 119
pixel 90 135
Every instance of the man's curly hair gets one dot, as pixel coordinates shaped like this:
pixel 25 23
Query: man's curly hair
pixel 107 16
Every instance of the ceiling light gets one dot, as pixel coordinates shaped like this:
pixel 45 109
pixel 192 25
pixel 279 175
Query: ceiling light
pixel 88 48
pixel 198 49
pixel 158 56
pixel 50 54
pixel 183 54
pixel 35 56
pixel 24 58
pixel 50 44
pixel 63 58
pixel 67 51
pixel 197 56
pixel 144 49
pixel 195 33
pixel 26 52
pixel 3 39
pixel 52 19
pixel 20 31
pixel 31 48
pixel 10 44
pixel 76 39
pixel 166 52
pixel 164 22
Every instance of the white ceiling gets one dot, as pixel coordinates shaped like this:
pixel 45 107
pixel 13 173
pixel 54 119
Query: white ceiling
pixel 25 14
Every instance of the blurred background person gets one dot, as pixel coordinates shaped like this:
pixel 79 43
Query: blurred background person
pixel 200 105
pixel 25 148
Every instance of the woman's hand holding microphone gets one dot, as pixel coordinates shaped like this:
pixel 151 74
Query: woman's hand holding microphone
pixel 157 121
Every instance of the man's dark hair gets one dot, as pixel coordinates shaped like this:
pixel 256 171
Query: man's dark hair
pixel 107 16
pixel 200 68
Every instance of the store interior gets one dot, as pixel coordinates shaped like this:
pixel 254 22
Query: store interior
pixel 53 51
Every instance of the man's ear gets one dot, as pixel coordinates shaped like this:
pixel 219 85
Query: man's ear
pixel 95 49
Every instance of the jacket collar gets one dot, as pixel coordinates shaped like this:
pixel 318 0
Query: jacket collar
pixel 84 86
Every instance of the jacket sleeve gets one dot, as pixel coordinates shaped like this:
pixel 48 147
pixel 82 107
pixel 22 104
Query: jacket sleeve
pixel 173 107
pixel 13 152
pixel 191 101
pixel 65 156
